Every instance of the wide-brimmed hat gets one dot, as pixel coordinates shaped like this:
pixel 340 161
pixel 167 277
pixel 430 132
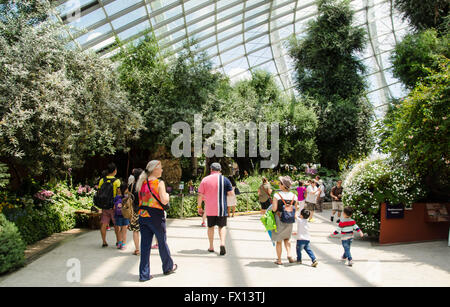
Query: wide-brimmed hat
pixel 286 181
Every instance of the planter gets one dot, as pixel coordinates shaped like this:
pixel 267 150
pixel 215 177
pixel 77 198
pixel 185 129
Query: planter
pixel 93 218
pixel 416 225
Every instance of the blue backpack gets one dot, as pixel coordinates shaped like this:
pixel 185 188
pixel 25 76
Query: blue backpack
pixel 288 214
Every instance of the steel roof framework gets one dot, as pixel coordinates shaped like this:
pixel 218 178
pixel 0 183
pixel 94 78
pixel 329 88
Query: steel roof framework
pixel 238 36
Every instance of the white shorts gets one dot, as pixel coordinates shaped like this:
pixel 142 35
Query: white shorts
pixel 337 206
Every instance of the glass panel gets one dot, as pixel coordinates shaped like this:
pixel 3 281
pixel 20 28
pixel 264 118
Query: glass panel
pixel 202 13
pixel 130 17
pixel 89 19
pixel 118 5
pixel 256 58
pixel 202 23
pixel 233 54
pixel 134 30
pixel 236 67
pixel 233 31
pixel 105 43
pixel 230 11
pixel 94 34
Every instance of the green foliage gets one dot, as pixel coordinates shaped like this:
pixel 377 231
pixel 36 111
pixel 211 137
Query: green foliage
pixel 166 92
pixel 374 181
pixel 47 212
pixel 4 175
pixel 424 14
pixel 417 129
pixel 329 71
pixel 298 124
pixel 416 54
pixel 57 105
pixel 12 247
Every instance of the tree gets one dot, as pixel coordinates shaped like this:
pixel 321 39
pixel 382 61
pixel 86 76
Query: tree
pixel 298 125
pixel 416 130
pixel 145 77
pixel 329 71
pixel 57 105
pixel 416 54
pixel 424 14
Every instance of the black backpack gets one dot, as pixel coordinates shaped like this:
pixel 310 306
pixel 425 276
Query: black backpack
pixel 104 198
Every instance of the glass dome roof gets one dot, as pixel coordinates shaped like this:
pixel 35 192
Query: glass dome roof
pixel 239 36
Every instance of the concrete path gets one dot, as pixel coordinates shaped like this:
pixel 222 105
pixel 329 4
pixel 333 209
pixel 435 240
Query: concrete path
pixel 248 263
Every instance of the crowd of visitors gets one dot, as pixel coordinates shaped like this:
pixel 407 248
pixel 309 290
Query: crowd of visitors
pixel 218 194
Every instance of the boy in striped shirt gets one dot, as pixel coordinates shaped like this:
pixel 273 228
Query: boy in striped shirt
pixel 346 228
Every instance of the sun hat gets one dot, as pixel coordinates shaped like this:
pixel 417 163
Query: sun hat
pixel 286 181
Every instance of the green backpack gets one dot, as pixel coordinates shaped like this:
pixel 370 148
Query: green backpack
pixel 268 221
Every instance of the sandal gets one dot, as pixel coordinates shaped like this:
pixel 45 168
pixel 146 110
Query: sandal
pixel 175 267
pixel 278 262
pixel 136 252
pixel 211 250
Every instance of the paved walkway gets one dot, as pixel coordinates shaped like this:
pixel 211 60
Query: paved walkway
pixel 248 263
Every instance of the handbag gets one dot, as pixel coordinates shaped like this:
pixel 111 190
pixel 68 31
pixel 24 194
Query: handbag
pixel 127 207
pixel 268 220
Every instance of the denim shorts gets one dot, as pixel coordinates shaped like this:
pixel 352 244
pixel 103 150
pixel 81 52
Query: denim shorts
pixel 121 221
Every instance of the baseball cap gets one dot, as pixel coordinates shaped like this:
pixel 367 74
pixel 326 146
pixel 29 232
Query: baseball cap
pixel 216 167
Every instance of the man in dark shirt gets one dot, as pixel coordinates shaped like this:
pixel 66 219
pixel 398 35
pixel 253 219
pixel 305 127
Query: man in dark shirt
pixel 336 200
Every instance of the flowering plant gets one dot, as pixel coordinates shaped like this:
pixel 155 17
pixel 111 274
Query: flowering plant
pixel 374 181
pixel 44 195
pixel 84 190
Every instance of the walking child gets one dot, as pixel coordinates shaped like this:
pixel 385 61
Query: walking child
pixel 121 222
pixel 346 227
pixel 304 238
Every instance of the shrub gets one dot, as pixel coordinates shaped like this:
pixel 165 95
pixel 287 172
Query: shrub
pixel 374 181
pixel 37 223
pixel 12 247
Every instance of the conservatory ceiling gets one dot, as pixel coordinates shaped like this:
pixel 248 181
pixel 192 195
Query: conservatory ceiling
pixel 238 36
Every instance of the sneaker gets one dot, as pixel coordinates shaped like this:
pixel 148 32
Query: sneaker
pixel 332 218
pixel 119 245
pixel 203 224
pixel 108 228
pixel 299 262
pixel 314 264
pixel 350 263
pixel 123 246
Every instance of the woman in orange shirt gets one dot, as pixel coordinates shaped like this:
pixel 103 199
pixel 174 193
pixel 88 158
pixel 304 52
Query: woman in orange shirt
pixel 152 200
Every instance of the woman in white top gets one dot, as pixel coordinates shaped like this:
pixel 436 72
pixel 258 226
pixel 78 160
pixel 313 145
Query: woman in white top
pixel 311 198
pixel 284 204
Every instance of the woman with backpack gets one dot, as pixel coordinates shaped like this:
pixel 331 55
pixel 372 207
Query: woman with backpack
pixel 134 221
pixel 153 200
pixel 283 207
